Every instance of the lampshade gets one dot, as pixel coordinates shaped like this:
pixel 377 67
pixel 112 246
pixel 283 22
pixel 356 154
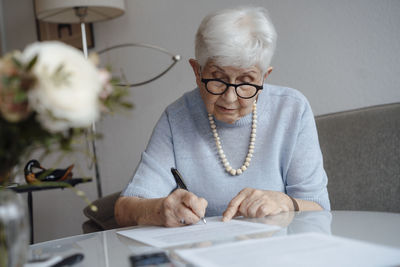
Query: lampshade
pixel 63 11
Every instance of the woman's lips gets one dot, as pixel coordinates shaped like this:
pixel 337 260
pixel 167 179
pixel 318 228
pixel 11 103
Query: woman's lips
pixel 226 110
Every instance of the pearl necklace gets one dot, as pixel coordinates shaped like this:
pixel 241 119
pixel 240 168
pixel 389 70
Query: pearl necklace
pixel 250 152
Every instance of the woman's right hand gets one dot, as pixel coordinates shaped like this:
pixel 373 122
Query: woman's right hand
pixel 182 207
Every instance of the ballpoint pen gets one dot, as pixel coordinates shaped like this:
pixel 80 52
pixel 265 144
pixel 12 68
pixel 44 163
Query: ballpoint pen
pixel 181 184
pixel 55 261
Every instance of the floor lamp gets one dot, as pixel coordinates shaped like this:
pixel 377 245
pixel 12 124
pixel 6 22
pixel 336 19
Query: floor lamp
pixel 81 11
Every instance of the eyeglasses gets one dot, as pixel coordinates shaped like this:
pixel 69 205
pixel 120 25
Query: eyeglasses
pixel 219 87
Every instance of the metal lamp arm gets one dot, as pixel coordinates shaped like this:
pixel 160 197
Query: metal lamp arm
pixel 175 59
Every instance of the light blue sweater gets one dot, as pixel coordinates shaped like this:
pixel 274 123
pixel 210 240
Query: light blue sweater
pixel 286 158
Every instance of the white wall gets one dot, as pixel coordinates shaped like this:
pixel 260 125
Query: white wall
pixel 340 54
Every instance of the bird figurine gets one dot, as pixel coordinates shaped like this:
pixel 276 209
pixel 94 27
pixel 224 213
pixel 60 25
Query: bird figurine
pixel 45 175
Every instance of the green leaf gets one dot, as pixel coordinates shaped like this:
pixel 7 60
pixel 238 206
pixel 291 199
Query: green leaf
pixel 20 97
pixel 59 69
pixel 17 62
pixel 31 63
pixel 127 104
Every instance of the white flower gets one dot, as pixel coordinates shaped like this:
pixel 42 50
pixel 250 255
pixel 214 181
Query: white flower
pixel 68 86
pixel 105 78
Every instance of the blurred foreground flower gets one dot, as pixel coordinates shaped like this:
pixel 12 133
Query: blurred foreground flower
pixel 49 95
pixel 66 93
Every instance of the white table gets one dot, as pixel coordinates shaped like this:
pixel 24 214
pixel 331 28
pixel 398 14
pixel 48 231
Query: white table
pixel 109 249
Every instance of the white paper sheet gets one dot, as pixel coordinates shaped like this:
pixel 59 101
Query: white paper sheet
pixel 310 249
pixel 215 229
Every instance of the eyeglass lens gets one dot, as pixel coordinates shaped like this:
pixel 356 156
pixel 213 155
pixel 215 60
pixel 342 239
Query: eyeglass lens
pixel 218 87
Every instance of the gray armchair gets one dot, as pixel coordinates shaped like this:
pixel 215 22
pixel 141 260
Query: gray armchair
pixel 103 219
pixel 361 150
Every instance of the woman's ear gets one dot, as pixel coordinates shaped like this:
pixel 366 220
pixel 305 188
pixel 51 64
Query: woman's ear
pixel 269 70
pixel 196 70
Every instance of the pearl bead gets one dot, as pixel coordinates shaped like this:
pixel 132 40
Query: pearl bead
pixel 221 153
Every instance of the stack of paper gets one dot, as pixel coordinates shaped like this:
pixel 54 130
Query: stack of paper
pixel 294 250
pixel 215 229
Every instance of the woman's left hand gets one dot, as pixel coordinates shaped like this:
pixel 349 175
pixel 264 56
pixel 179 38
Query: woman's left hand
pixel 255 203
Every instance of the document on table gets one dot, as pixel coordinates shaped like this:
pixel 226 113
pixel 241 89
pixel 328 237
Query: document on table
pixel 215 229
pixel 309 249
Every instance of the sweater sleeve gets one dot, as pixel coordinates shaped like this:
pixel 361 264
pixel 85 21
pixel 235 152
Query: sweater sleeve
pixel 306 178
pixel 152 178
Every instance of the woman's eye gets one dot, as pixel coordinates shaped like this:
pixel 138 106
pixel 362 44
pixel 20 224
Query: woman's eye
pixel 246 80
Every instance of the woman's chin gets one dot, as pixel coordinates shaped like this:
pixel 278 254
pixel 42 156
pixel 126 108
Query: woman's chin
pixel 230 119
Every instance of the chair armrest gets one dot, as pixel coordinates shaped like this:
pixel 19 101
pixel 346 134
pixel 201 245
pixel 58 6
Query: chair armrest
pixel 104 216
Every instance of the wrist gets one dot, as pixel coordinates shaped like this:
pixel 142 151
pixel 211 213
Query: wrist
pixel 294 204
pixel 158 217
pixel 150 213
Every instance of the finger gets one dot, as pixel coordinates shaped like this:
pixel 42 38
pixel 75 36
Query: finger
pixel 185 216
pixel 192 210
pixel 202 207
pixel 253 208
pixel 174 209
pixel 277 211
pixel 233 206
pixel 194 203
pixel 264 210
pixel 253 199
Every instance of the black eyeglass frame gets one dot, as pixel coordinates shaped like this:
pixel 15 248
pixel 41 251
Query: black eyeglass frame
pixel 206 81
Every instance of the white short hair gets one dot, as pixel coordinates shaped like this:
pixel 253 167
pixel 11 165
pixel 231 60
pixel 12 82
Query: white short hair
pixel 239 37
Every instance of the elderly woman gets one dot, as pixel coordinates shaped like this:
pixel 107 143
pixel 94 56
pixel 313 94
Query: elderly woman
pixel 243 147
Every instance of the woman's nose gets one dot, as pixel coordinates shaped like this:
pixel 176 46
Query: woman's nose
pixel 230 94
